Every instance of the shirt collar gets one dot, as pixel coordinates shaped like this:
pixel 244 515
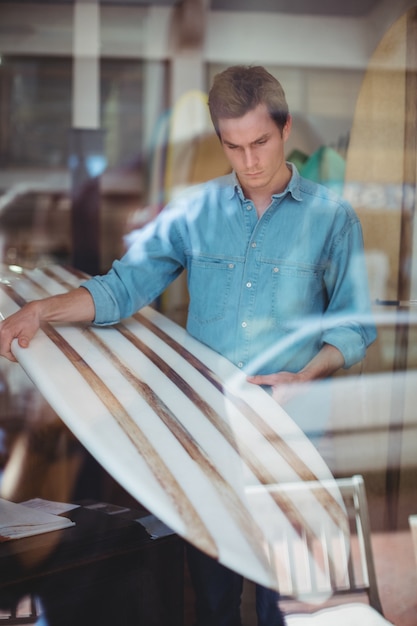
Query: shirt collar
pixel 293 186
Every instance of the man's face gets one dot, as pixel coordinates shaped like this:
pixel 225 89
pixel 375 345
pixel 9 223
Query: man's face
pixel 254 146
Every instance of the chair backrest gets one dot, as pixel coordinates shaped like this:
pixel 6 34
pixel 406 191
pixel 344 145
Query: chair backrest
pixel 25 611
pixel 307 580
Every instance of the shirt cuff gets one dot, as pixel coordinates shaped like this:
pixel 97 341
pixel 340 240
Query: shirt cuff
pixel 106 307
pixel 350 343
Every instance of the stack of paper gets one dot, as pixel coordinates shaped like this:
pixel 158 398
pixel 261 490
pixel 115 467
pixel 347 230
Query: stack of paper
pixel 18 520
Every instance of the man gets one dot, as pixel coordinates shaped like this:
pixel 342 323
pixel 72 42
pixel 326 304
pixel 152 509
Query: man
pixel 264 249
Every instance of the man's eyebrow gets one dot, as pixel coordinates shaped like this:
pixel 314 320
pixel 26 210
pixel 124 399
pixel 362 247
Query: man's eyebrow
pixel 229 143
pixel 263 137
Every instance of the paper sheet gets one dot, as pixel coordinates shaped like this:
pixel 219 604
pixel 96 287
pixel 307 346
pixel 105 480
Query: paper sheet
pixel 18 520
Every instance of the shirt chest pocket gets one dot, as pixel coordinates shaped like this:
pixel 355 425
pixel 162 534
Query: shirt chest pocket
pixel 210 286
pixel 297 291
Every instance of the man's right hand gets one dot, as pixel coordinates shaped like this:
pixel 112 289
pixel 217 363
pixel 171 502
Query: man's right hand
pixel 22 325
pixel 74 306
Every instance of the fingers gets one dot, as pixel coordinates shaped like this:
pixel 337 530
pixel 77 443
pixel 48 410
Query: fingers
pixel 23 341
pixel 284 385
pixel 22 326
pixel 5 350
pixel 7 336
pixel 6 345
pixel 264 379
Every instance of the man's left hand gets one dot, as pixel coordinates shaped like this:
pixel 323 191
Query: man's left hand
pixel 284 385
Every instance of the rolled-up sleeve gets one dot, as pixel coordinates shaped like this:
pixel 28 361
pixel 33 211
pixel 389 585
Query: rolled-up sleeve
pixel 106 305
pixel 351 341
pixel 348 323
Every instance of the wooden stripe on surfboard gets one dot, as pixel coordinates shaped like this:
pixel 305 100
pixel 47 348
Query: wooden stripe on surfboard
pixel 264 474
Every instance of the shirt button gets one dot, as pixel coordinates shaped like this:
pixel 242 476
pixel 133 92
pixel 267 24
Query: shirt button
pixel 248 285
pixel 276 269
pixel 244 324
pixel 249 207
pixel 231 266
pixel 240 364
pixel 253 245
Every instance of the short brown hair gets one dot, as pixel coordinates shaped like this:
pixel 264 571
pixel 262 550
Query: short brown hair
pixel 241 88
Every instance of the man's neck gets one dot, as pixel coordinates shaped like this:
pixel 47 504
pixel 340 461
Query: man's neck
pixel 261 204
pixel 262 198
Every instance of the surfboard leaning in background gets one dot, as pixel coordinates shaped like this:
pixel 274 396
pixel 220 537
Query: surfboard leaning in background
pixel 381 182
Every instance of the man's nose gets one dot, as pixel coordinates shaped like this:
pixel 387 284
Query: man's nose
pixel 249 157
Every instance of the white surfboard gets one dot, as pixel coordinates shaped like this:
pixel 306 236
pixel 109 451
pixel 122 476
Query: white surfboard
pixel 182 431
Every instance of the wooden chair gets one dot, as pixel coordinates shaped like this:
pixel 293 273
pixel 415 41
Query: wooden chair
pixel 311 584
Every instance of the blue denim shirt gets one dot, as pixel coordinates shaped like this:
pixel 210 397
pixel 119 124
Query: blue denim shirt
pixel 252 282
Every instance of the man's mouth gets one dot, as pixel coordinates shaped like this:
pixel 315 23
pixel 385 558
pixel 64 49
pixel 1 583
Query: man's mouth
pixel 253 174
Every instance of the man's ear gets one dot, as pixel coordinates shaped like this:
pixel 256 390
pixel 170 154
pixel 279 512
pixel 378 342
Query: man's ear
pixel 287 128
